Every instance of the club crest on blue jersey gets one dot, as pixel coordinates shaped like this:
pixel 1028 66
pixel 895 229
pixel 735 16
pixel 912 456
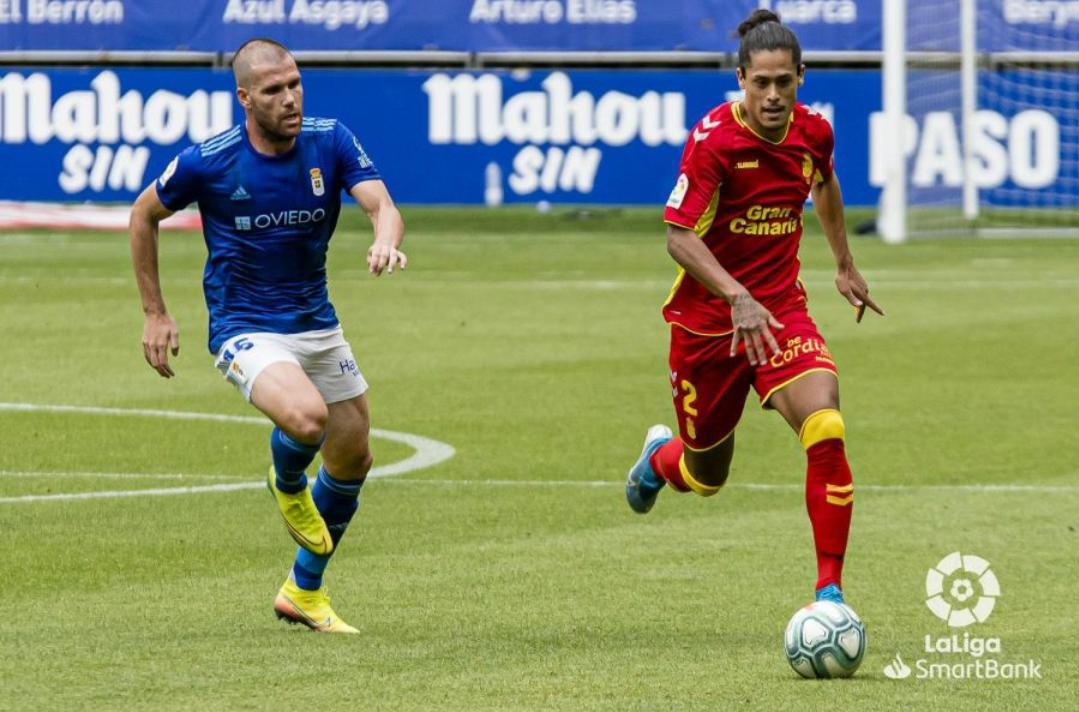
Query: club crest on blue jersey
pixel 317 186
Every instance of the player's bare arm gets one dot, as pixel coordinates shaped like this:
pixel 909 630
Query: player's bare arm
pixel 159 331
pixel 383 255
pixel 828 203
pixel 753 323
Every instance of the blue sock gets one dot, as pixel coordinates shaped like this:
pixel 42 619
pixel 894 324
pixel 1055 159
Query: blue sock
pixel 337 500
pixel 290 459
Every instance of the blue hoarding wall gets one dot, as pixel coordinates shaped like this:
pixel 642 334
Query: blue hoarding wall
pixel 509 25
pixel 1030 25
pixel 596 136
pixel 463 25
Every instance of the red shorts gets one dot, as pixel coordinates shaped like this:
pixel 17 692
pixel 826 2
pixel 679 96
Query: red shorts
pixel 710 386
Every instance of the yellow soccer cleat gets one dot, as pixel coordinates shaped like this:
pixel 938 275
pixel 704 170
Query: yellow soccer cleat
pixel 301 517
pixel 311 608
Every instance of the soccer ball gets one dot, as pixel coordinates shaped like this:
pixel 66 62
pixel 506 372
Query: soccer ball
pixel 825 639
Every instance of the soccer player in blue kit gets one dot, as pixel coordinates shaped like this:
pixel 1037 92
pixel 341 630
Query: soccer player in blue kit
pixel 269 192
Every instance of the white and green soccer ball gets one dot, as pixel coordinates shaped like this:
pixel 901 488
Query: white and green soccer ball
pixel 825 639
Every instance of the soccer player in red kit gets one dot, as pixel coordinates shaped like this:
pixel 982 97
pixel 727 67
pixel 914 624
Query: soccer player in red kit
pixel 737 311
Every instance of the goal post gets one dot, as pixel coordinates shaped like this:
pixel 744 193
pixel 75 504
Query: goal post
pixel 981 135
pixel 968 81
pixel 892 222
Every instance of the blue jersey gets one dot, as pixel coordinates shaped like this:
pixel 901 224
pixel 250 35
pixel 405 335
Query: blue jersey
pixel 267 221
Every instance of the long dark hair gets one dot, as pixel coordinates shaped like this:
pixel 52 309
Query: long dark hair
pixel 763 32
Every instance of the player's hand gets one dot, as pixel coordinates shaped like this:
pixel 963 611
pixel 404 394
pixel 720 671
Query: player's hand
pixel 852 285
pixel 384 257
pixel 159 335
pixel 753 326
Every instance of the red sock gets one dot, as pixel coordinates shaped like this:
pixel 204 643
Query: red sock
pixel 664 462
pixel 830 500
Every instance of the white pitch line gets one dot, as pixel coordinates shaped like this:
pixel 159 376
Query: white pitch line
pixel 922 488
pixel 114 494
pixel 67 474
pixel 165 491
pixel 144 412
pixel 896 284
pixel 753 485
pixel 427 452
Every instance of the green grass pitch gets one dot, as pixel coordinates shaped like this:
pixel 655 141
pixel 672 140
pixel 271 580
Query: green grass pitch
pixel 513 576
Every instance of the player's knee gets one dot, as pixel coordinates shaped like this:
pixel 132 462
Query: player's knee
pixel 821 425
pixel 705 481
pixel 364 464
pixel 349 463
pixel 308 424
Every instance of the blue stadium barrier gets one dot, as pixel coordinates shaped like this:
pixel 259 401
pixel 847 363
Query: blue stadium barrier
pixel 574 136
pixel 496 25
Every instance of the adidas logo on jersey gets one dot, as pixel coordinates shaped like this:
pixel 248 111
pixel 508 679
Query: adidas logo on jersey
pixel 240 194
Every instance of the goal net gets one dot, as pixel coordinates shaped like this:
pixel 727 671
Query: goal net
pixel 992 134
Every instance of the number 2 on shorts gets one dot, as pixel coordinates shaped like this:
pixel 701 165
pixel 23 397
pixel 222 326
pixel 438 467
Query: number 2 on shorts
pixel 688 400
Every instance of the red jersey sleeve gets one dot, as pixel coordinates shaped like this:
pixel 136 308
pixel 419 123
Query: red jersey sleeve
pixel 699 177
pixel 822 162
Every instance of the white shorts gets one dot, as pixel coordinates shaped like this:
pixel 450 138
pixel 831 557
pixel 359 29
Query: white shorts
pixel 324 356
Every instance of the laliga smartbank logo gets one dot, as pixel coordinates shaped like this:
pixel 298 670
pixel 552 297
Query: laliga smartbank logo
pixel 962 590
pixel 964 575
